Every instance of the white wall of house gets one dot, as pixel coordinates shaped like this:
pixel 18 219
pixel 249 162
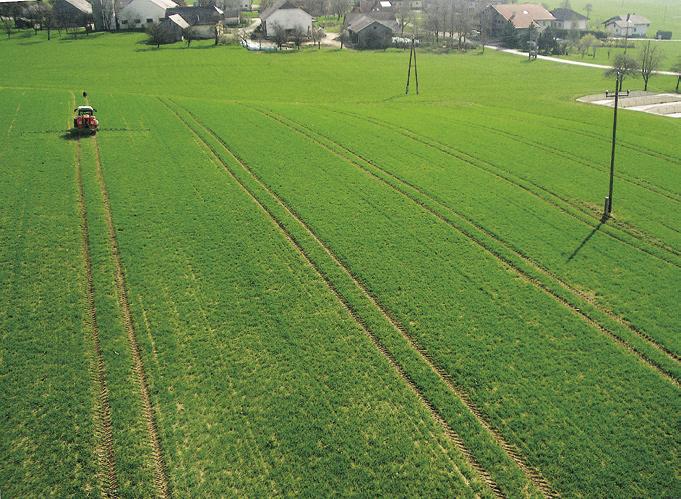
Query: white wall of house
pixel 288 19
pixel 141 13
pixel 635 30
pixel 579 24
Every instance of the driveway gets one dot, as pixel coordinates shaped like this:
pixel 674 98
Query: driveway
pixel 567 61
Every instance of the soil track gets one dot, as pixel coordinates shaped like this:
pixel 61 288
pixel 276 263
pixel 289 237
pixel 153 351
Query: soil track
pixel 160 476
pixel 103 426
pixel 449 431
pixel 504 261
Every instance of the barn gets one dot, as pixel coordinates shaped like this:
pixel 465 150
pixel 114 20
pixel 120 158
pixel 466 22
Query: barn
pixel 368 33
pixel 287 15
pixel 139 14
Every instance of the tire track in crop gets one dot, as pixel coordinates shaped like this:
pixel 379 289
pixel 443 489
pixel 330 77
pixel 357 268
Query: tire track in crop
pixel 406 378
pixel 601 137
pixel 535 265
pixel 504 261
pixel 637 181
pixel 160 476
pixel 627 145
pixel 552 198
pixel 14 119
pixel 103 425
pixel 633 232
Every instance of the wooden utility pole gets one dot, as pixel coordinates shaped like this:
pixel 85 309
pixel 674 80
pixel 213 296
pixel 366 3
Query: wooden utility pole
pixel 412 57
pixel 607 208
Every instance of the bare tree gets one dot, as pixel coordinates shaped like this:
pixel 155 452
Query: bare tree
pixel 298 35
pixel 404 15
pixel 188 34
pixel 265 4
pixel 623 66
pixel 340 7
pixel 677 69
pixel 588 8
pixel 317 34
pixel 158 34
pixel 343 37
pixel 7 24
pixel 463 22
pixel 649 58
pixel 279 35
pixel 434 18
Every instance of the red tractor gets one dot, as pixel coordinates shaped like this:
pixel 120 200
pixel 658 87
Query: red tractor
pixel 85 121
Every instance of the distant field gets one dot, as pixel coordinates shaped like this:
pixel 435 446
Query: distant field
pixel 664 15
pixel 671 52
pixel 276 274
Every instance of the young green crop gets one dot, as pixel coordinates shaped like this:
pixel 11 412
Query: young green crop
pixel 568 246
pixel 244 347
pixel 528 363
pixel 47 440
pixel 445 223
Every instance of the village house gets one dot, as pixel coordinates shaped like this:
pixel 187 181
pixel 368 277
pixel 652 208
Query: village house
pixel 286 14
pixel 139 14
pixel 366 32
pixel 568 19
pixel 72 13
pixel 627 26
pixel 520 15
pixel 372 24
pixel 174 26
pixel 203 20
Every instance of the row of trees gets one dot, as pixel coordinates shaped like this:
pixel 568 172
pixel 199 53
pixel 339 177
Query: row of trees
pixel 336 8
pixel 40 16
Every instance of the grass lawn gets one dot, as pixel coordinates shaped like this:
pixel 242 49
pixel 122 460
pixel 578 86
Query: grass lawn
pixel 671 53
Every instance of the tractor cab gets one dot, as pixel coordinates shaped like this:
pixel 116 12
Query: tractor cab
pixel 85 120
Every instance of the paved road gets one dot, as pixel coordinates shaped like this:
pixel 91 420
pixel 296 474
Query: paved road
pixel 253 26
pixel 568 61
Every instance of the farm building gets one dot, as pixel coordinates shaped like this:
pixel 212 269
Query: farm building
pixel 72 13
pixel 568 19
pixel 141 13
pixel 203 20
pixel 520 15
pixel 366 6
pixel 286 14
pixel 632 25
pixel 366 32
pixel 174 26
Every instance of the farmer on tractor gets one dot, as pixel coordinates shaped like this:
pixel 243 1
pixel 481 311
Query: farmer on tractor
pixel 85 121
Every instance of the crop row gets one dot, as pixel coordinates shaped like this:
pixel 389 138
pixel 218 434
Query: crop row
pixel 613 275
pixel 527 363
pixel 657 143
pixel 550 171
pixel 48 392
pixel 486 449
pixel 579 303
pixel 262 382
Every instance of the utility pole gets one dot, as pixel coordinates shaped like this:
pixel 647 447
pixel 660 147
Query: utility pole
pixel 607 208
pixel 412 56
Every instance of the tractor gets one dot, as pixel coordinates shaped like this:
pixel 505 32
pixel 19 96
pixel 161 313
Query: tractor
pixel 85 121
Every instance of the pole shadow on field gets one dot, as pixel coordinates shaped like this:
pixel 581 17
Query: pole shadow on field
pixel 586 240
